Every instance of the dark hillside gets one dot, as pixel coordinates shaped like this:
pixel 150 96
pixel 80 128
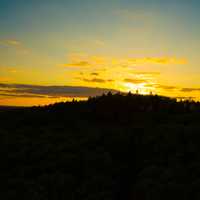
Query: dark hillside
pixel 111 147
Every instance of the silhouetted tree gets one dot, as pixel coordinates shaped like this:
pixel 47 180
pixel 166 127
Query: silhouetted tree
pixel 114 146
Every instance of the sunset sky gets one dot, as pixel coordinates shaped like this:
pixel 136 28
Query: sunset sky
pixel 55 50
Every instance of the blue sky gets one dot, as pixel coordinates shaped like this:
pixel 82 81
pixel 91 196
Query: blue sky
pixel 40 39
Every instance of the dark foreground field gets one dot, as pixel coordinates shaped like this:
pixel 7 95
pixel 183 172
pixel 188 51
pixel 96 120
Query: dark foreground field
pixel 111 147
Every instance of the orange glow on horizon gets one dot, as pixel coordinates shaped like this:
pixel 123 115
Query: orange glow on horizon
pixel 27 102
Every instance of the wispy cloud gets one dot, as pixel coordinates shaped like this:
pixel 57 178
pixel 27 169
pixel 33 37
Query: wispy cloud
pixel 10 42
pixel 99 42
pixel 94 74
pixel 16 44
pixel 25 90
pixel 158 60
pixel 190 90
pixel 77 64
pixel 147 73
pixel 9 94
pixel 172 88
pixel 97 80
pixel 134 81
pixel 166 87
pixel 83 60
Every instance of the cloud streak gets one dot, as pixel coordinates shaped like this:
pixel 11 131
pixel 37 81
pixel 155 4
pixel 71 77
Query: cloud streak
pixel 134 81
pixel 158 60
pixel 86 60
pixel 77 64
pixel 166 87
pixel 146 73
pixel 97 80
pixel 15 44
pixel 190 90
pixel 94 74
pixel 10 42
pixel 25 90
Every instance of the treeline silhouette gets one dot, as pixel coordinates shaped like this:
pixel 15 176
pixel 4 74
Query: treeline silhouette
pixel 111 147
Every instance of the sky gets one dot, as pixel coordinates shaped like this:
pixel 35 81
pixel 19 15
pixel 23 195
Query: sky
pixel 56 50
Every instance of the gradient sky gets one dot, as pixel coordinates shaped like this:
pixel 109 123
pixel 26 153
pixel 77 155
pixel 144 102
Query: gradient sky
pixel 53 50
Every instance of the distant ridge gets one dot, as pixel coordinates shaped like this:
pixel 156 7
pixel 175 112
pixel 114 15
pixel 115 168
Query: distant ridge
pixel 11 107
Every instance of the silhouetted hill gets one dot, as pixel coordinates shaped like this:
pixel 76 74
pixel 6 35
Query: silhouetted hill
pixel 109 147
pixel 5 108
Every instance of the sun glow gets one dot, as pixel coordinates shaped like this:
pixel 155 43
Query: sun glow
pixel 136 88
pixel 141 88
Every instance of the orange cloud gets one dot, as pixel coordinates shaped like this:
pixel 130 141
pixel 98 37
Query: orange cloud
pixel 97 80
pixel 5 79
pixel 77 64
pixel 166 87
pixel 146 73
pixel 94 74
pixel 26 90
pixel 134 81
pixel 83 60
pixel 159 60
pixel 190 90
